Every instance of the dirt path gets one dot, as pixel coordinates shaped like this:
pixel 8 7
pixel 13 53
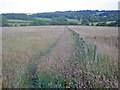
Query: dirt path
pixel 54 63
pixel 59 55
pixel 61 63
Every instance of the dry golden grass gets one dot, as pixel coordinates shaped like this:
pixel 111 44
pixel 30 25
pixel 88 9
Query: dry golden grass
pixel 106 38
pixel 21 45
pixel 55 56
pixel 106 41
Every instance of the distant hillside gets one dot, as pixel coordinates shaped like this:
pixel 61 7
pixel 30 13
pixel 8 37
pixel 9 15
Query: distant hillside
pixel 92 16
pixel 83 17
pixel 18 16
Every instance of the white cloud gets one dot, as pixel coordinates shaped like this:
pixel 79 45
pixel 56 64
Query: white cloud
pixel 33 6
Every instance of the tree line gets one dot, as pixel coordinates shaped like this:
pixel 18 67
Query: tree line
pixel 90 15
pixel 84 17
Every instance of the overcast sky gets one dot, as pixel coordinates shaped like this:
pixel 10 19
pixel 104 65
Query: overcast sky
pixel 35 6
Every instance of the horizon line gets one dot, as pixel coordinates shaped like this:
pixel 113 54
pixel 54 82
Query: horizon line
pixel 62 11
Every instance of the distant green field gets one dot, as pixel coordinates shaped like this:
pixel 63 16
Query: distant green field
pixel 98 13
pixel 18 21
pixel 48 19
pixel 110 22
pixel 73 20
pixel 44 19
pixel 15 22
pixel 95 23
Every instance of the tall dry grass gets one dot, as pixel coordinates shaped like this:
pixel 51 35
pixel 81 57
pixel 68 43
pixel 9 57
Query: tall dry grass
pixel 105 65
pixel 60 57
pixel 106 39
pixel 20 47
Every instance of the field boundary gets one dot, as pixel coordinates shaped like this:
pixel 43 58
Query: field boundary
pixel 95 68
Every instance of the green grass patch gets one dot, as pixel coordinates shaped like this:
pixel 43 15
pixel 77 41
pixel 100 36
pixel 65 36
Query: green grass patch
pixel 15 22
pixel 98 13
pixel 49 80
pixel 44 19
pixel 18 21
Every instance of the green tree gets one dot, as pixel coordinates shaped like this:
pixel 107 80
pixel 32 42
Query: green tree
pixel 38 23
pixel 4 21
pixel 92 24
pixel 59 21
pixel 101 24
pixel 85 22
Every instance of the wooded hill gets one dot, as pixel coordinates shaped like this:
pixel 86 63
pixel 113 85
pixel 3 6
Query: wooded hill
pixel 82 17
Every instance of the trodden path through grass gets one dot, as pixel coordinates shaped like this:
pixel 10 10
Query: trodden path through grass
pixel 50 69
